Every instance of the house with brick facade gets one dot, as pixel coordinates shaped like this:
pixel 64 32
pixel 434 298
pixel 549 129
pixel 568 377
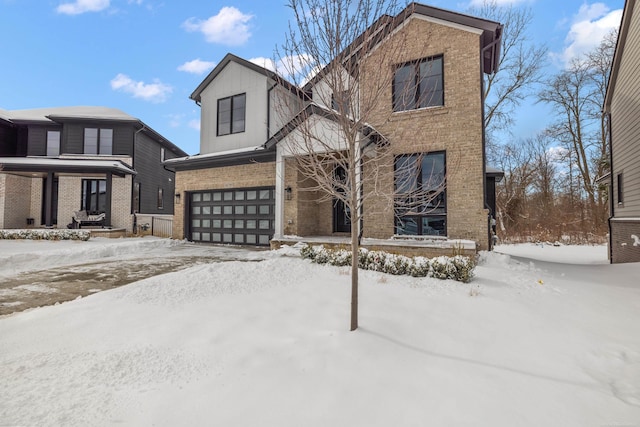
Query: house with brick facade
pixel 55 162
pixel 622 104
pixel 244 188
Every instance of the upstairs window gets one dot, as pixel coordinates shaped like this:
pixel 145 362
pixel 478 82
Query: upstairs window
pixel 231 114
pixel 53 143
pixel 340 102
pixel 98 141
pixel 418 84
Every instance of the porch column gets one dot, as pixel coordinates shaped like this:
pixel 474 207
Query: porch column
pixel 279 225
pixel 48 201
pixel 107 202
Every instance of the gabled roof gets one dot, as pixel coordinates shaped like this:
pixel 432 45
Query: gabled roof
pixel 247 155
pixel 321 111
pixel 229 57
pixel 83 113
pixel 47 115
pixel 627 14
pixel 491 34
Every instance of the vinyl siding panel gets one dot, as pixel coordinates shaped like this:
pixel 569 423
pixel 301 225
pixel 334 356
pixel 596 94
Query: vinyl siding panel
pixel 37 141
pixel 234 79
pixel 8 139
pixel 73 137
pixel 625 124
pixel 152 175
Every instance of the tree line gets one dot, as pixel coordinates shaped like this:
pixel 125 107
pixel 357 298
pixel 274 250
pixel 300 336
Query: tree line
pixel 550 190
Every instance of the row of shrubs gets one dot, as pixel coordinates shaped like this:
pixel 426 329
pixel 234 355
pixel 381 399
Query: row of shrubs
pixel 457 267
pixel 43 234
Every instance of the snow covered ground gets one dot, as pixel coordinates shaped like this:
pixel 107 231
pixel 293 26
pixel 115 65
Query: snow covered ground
pixel 543 336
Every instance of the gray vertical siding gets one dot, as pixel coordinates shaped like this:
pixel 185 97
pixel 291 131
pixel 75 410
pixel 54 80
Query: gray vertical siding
pixel 8 141
pixel 625 124
pixel 37 141
pixel 73 138
pixel 152 175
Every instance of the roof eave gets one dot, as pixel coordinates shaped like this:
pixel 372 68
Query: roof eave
pixel 232 159
pixel 625 23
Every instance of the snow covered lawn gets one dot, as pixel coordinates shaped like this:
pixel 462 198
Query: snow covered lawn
pixel 528 342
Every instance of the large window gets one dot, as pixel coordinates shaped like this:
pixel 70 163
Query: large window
pixel 98 141
pixel 420 202
pixel 418 84
pixel 231 114
pixel 94 195
pixel 53 143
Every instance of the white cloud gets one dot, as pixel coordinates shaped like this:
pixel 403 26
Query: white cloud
pixel 175 120
pixel 590 25
pixel 197 66
pixel 82 6
pixel 557 153
pixel 154 92
pixel 195 124
pixel 229 27
pixel 289 67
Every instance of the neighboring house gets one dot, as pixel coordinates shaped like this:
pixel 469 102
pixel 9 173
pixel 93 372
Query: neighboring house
pixel 622 103
pixel 243 189
pixel 56 161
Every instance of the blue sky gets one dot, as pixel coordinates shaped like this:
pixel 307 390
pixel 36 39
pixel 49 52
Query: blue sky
pixel 146 57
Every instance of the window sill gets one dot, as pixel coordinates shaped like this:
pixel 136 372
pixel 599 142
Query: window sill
pixel 430 111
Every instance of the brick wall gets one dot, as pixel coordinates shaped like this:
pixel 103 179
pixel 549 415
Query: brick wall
pixel 306 214
pixel 70 195
pixel 15 201
pixel 622 242
pixel 242 176
pixel 455 128
pixel 35 210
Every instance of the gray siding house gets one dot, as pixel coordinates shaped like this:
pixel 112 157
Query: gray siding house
pixel 56 161
pixel 622 103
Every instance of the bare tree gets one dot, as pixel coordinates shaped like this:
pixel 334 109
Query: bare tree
pixel 333 142
pixel 520 66
pixel 577 95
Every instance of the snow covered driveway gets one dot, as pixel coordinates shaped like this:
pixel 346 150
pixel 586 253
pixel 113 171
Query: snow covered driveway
pixel 32 277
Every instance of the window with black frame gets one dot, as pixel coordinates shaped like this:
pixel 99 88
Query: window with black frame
pixel 98 141
pixel 94 196
pixel 420 194
pixel 231 114
pixel 418 84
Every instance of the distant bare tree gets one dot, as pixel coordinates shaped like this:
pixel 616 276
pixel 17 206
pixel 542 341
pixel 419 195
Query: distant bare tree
pixel 521 63
pixel 577 95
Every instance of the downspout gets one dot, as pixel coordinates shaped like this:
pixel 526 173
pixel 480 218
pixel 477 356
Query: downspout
pixel 269 110
pixel 484 143
pixel 611 188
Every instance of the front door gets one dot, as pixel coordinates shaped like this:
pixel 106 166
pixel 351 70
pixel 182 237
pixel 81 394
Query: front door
pixel 54 202
pixel 341 213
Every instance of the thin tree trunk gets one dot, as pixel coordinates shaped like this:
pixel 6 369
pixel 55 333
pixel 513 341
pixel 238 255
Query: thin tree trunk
pixel 355 225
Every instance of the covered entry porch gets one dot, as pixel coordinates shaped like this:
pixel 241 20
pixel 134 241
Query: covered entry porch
pixel 48 191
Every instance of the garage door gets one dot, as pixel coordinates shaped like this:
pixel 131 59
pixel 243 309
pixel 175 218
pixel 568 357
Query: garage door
pixel 241 216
